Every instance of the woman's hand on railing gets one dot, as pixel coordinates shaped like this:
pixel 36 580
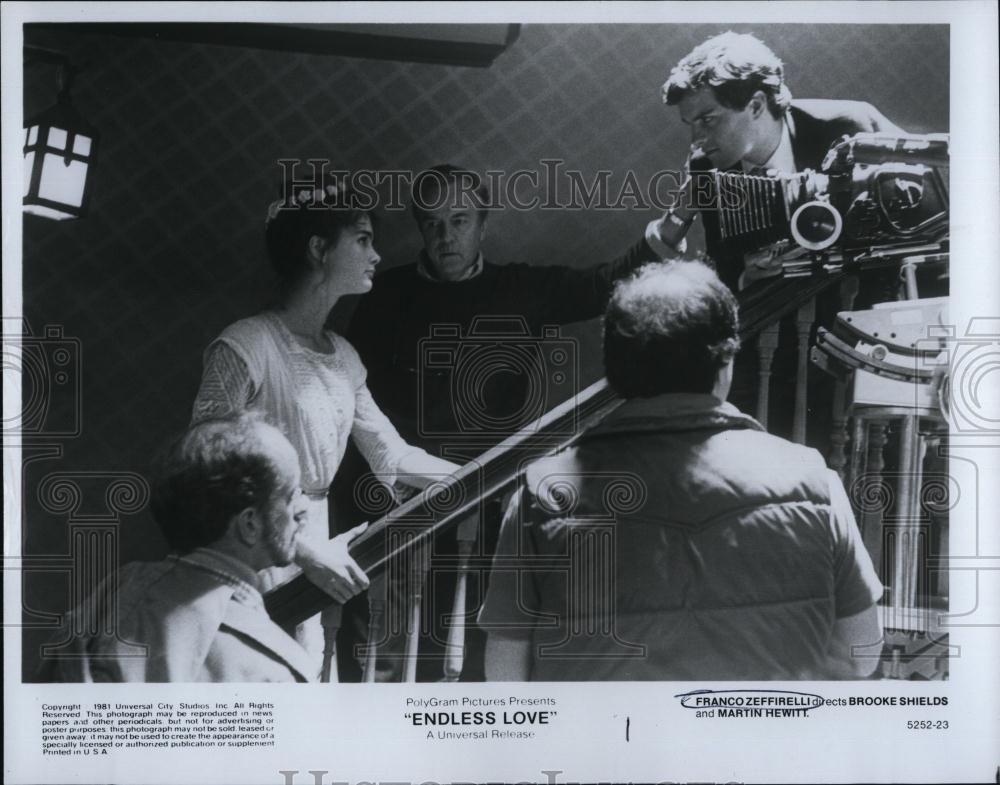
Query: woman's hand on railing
pixel 330 566
pixel 419 469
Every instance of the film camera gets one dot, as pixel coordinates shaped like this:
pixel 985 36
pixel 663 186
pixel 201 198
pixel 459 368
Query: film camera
pixel 876 197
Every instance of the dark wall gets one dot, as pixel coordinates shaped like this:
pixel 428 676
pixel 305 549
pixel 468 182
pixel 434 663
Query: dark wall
pixel 172 250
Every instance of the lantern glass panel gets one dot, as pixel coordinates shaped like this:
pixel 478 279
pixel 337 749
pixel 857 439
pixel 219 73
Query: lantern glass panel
pixel 32 135
pixel 47 212
pixel 57 139
pixel 62 183
pixel 29 165
pixel 81 145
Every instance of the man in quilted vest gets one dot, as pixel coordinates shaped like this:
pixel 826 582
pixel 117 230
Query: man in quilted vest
pixel 678 540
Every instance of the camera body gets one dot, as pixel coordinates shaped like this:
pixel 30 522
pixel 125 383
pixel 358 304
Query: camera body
pixel 872 190
pixel 493 380
pixel 879 189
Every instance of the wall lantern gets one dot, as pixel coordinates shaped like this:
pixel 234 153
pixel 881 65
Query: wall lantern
pixel 59 151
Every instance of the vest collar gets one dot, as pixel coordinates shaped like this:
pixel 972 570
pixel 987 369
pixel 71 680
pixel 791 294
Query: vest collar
pixel 675 412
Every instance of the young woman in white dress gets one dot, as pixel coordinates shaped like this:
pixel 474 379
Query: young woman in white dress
pixel 309 382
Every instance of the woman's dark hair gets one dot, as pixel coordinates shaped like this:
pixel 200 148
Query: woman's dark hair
pixel 669 329
pixel 213 471
pixel 735 66
pixel 294 221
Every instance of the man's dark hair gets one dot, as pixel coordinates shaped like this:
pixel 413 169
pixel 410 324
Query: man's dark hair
pixel 429 190
pixel 213 471
pixel 669 329
pixel 735 66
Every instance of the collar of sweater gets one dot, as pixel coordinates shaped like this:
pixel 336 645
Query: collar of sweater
pixel 424 270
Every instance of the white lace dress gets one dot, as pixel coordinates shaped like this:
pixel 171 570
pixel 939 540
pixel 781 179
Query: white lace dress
pixel 317 399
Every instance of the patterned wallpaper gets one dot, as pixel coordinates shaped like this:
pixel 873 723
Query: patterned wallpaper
pixel 173 248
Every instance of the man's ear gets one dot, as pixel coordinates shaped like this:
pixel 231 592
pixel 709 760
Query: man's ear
pixel 248 527
pixel 723 381
pixel 758 104
pixel 482 225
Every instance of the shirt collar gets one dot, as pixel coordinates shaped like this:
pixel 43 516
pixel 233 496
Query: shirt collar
pixel 424 271
pixel 783 158
pixel 236 573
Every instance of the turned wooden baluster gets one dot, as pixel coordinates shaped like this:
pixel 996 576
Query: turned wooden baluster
pixel 330 620
pixel 859 445
pixel 906 556
pixel 937 452
pixel 416 577
pixel 873 515
pixel 455 648
pixel 804 319
pixel 767 342
pixel 837 459
pixel 376 624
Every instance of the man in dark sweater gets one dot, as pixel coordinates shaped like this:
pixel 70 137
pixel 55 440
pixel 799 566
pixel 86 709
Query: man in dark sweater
pixel 459 356
pixel 452 298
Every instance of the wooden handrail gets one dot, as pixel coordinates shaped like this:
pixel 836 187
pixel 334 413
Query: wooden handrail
pixel 445 503
pixel 442 505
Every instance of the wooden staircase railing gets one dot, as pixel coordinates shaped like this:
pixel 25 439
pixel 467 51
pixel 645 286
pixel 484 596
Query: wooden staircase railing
pixel 432 512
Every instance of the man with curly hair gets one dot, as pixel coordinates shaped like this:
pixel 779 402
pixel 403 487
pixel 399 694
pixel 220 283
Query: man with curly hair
pixel 730 91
